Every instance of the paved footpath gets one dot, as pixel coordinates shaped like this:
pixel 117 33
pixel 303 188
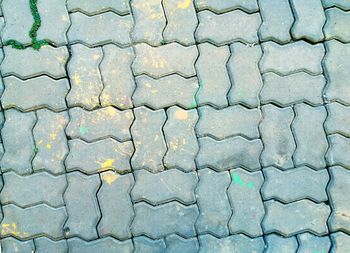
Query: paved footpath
pixel 175 126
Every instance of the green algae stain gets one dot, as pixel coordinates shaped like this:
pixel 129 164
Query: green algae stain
pixel 83 130
pixel 238 180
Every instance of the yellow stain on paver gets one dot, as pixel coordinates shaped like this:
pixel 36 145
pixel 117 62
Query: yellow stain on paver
pixel 53 136
pixel 48 146
pixel 109 177
pixel 108 164
pixel 184 5
pixel 181 115
pixel 76 79
pixel 9 229
pixel 110 111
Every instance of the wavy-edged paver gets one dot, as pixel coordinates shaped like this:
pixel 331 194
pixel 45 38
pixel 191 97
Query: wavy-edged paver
pixel 303 215
pixel 45 245
pixel 35 93
pixel 175 244
pixel 165 92
pixel 91 8
pixel 311 243
pixel 181 139
pixel 144 244
pixel 105 245
pixel 342 4
pixel 278 244
pixel 296 184
pixel 18 142
pixel 147 134
pixel 218 29
pixel 276 134
pixel 338 120
pixel 82 206
pixel 245 75
pixel 50 141
pixel 339 147
pixel 164 60
pixel 85 76
pixel 115 204
pixel 170 218
pixel 11 244
pixel 247 205
pixel 214 82
pixel 292 89
pixel 117 76
pixel 213 203
pixel 219 6
pixel 340 242
pixel 277 20
pixel 292 58
pixel 99 124
pixel 87 29
pixel 338 22
pixel 99 156
pixel 229 153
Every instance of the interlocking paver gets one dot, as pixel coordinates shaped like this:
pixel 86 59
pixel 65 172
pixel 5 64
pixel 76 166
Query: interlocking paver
pixel 229 153
pixel 18 141
pixel 213 203
pixel 45 245
pixel 224 6
pixel 292 58
pixel 82 207
pixel 343 4
pixel 292 185
pixel 51 141
pixel 217 29
pixel 292 89
pixel 277 137
pixel 119 6
pixel 309 136
pixel 245 75
pixel 277 20
pixel 85 77
pixel 339 147
pixel 35 93
pixel 175 244
pixel 247 205
pixel 115 204
pixel 148 139
pixel 337 25
pixel 278 244
pixel 338 120
pixel 341 242
pixel 99 156
pixel 146 245
pixel 13 245
pixel 87 29
pixel 164 60
pixel 303 215
pixel 101 123
pixel 165 92
pixel 105 245
pixel 170 218
pixel 311 243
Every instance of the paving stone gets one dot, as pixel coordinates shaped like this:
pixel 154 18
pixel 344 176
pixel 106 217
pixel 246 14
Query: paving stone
pixel 218 29
pixel 277 137
pixel 246 202
pixel 224 6
pixel 20 190
pixel 229 153
pixel 146 245
pixel 342 4
pixel 213 78
pixel 292 185
pixel 117 77
pixel 341 242
pixel 99 156
pixel 148 139
pixel 233 243
pixel 17 132
pixel 337 64
pixel 277 20
pixel 311 243
pixel 164 187
pixel 33 221
pixel 165 92
pixel 309 135
pixel 86 82
pixel 181 139
pixel 91 8
pixel 87 29
pixel 338 120
pixel 170 218
pixel 2 25
pixel 45 245
pixel 278 244
pixel 102 123
pixel 19 20
pixel 81 195
pixel 292 89
pixel 213 203
pixel 51 141
pixel 292 58
pixel 115 204
pixel 149 20
pixel 309 20
pixel 29 62
pixel 339 147
pixel 165 60
pixel 105 245
pixel 337 25
pixel 181 21
pixel 10 244
pixel 303 215
pixel 175 244
pixel 245 74
pixel 35 93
